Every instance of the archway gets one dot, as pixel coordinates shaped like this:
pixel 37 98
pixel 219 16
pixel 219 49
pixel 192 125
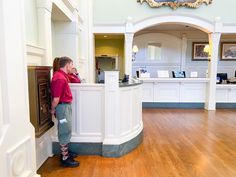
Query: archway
pixel 193 21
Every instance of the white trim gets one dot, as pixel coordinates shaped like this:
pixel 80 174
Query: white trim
pixel 44 10
pixel 70 4
pixel 129 37
pixel 214 41
pixel 65 7
pixel 82 85
pixel 1 110
pixel 111 29
pixel 13 157
pixel 97 138
pixel 223 86
pixel 125 138
pixel 35 55
pixel 79 17
pixel 184 45
pixel 194 21
pixel 15 111
pixel 43 148
pixel 227 28
pixel 91 43
pixel 154 63
pixel 85 139
pixel 45 4
pixel 172 80
pixel 35 51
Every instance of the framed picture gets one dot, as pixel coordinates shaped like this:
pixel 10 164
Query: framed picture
pixel 198 53
pixel 228 51
pixel 174 4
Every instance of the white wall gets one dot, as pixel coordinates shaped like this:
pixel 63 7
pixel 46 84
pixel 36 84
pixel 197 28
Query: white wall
pixel 17 143
pixel 201 66
pixel 125 8
pixel 227 66
pixel 35 53
pixel 53 39
pixel 79 52
pixel 66 40
pixel 43 148
pixel 170 53
pixel 31 22
pixel 63 37
pixel 171 60
pixel 1 109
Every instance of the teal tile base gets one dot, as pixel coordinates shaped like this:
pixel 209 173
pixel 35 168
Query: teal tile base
pixel 80 148
pixel 186 105
pixel 100 149
pixel 120 150
pixel 174 105
pixel 225 105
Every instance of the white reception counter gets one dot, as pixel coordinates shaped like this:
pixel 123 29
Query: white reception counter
pixel 185 93
pixel 226 93
pixel 174 90
pixel 107 119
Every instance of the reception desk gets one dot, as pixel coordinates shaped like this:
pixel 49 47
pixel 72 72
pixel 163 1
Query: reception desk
pixel 226 93
pixel 106 118
pixel 184 93
pixel 174 90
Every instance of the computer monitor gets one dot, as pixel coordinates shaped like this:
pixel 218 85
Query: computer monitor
pixel 222 76
pixel 235 74
pixel 178 74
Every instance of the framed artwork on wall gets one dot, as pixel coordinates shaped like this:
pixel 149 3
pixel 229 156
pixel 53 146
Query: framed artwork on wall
pixel 228 51
pixel 198 53
pixel 174 4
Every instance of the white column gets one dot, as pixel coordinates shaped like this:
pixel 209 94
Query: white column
pixel 66 40
pixel 88 49
pixel 83 50
pixel 129 37
pixel 17 141
pixel 44 9
pixel 91 44
pixel 111 107
pixel 1 107
pixel 183 52
pixel 214 41
pixel 83 39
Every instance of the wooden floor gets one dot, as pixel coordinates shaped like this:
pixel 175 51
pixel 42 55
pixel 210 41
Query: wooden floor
pixel 177 143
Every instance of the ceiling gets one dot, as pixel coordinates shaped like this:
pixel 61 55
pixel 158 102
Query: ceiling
pixel 171 27
pixel 158 28
pixel 109 36
pixel 58 15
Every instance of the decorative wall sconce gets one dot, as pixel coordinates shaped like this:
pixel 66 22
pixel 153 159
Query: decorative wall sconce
pixel 134 51
pixel 207 49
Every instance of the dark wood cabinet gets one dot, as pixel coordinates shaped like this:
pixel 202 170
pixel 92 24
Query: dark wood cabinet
pixel 40 98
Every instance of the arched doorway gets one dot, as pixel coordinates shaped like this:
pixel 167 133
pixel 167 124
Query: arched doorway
pixel 192 21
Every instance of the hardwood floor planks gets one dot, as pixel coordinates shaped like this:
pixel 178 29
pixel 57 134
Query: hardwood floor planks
pixel 177 143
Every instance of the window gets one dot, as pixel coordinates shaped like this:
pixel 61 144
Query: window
pixel 154 51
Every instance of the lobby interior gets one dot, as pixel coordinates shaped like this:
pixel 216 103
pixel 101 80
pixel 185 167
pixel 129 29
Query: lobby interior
pixel 156 125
